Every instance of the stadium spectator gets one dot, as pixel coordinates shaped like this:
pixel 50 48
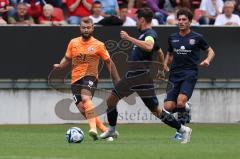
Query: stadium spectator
pixel 122 19
pixel 236 7
pixel 171 18
pixel 55 3
pixel 48 18
pixel 11 12
pixel 170 5
pixel 78 9
pixel 21 17
pixel 210 10
pixel 109 7
pixel 96 12
pixel 13 2
pixel 160 14
pixel 4 8
pixel 131 4
pixel 185 4
pixel 34 7
pixel 2 21
pixel 127 21
pixel 228 18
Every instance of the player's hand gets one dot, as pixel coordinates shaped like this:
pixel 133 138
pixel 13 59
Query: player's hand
pixel 57 66
pixel 124 35
pixel 160 75
pixel 205 63
pixel 165 68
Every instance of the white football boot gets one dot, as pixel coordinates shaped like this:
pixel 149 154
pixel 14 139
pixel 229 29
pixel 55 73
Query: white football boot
pixel 186 134
pixel 108 134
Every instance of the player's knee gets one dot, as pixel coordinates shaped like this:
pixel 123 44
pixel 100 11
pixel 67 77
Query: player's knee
pixel 182 100
pixel 85 98
pixel 181 103
pixel 112 101
pixel 169 106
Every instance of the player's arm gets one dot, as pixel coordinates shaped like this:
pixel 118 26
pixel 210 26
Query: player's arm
pixel 169 56
pixel 146 45
pixel 63 63
pixel 210 55
pixel 160 58
pixel 167 61
pixel 113 70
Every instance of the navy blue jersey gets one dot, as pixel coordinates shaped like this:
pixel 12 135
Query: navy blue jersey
pixel 138 54
pixel 186 51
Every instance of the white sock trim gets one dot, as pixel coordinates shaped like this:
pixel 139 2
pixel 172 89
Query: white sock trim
pixel 166 110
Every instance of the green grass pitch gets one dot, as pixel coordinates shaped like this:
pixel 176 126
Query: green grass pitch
pixel 136 141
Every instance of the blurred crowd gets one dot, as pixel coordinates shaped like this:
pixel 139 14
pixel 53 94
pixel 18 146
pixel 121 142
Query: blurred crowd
pixel 116 12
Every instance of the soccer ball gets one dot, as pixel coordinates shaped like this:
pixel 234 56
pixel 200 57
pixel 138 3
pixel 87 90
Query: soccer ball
pixel 74 135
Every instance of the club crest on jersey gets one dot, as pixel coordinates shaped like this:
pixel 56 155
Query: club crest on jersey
pixel 192 41
pixel 90 83
pixel 90 50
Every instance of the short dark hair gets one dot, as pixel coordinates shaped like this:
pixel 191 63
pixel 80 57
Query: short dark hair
pixel 123 6
pixel 186 12
pixel 86 20
pixel 146 13
pixel 97 2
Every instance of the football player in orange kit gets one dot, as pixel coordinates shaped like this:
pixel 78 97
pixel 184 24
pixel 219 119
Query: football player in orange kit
pixel 84 53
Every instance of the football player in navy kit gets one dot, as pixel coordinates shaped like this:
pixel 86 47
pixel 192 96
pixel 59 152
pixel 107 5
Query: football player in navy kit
pixel 184 48
pixel 138 77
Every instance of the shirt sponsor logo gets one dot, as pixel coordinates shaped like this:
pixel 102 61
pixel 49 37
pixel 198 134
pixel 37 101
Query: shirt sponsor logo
pixel 175 41
pixel 182 51
pixel 90 83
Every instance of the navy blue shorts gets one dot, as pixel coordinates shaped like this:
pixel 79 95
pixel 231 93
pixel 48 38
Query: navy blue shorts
pixel 142 84
pixel 175 88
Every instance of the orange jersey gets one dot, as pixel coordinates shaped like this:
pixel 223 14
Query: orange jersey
pixel 85 57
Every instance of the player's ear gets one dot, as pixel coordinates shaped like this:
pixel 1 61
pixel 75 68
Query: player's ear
pixel 190 21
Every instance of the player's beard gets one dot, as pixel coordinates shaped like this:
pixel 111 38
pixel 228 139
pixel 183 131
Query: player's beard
pixel 138 27
pixel 86 36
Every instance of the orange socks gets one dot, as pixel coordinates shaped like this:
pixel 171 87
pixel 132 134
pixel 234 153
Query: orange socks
pixel 93 120
pixel 100 125
pixel 90 115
